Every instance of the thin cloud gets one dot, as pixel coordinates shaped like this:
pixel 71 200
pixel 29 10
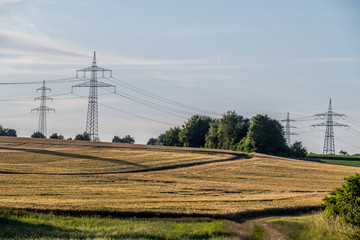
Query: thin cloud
pixel 3 2
pixel 19 42
pixel 335 60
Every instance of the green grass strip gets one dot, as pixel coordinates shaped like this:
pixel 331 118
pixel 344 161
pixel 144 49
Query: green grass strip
pixel 19 225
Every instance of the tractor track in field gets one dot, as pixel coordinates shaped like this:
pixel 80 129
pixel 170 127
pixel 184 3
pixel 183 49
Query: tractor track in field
pixel 234 157
pixel 56 147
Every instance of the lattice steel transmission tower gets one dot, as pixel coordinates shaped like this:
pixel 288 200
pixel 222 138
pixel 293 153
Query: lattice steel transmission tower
pixel 329 142
pixel 288 129
pixel 43 109
pixel 93 84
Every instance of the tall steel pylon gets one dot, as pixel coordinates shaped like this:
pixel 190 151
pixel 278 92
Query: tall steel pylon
pixel 329 142
pixel 287 129
pixel 93 84
pixel 43 109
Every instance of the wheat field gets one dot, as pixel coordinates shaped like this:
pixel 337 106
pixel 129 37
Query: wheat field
pixel 71 175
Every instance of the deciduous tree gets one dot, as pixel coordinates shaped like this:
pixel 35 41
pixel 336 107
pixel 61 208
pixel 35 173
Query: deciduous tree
pixel 38 135
pixel 83 137
pixel 170 138
pixel 227 132
pixel 194 131
pixel 265 135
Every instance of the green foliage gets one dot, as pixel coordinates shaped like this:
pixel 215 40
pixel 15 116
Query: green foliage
pixel 151 141
pixel 212 138
pixel 227 132
pixel 126 139
pixel 344 153
pixel 170 138
pixel 258 233
pixel 314 227
pixel 330 156
pixel 8 132
pixel 56 136
pixel 265 135
pixel 48 226
pixel 297 150
pixel 38 135
pixel 345 202
pixel 194 131
pixel 83 137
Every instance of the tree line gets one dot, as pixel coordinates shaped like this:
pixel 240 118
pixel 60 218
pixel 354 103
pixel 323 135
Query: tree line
pixel 84 137
pixel 260 134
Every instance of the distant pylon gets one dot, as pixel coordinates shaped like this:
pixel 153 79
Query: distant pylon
pixel 93 84
pixel 42 110
pixel 329 142
pixel 287 129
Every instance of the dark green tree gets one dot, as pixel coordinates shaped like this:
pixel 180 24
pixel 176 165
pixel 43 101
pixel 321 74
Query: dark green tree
pixel 170 138
pixel 8 132
pixel 265 135
pixel 194 131
pixel 212 137
pixel 297 150
pixel 56 136
pixel 344 153
pixel 345 201
pixel 38 135
pixel 83 137
pixel 151 141
pixel 126 139
pixel 227 132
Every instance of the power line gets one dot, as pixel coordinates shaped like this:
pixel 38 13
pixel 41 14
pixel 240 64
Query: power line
pixel 356 146
pixel 53 81
pixel 128 113
pixel 152 105
pixel 163 99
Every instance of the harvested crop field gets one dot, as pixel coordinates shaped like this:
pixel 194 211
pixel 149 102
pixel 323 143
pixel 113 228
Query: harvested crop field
pixel 141 180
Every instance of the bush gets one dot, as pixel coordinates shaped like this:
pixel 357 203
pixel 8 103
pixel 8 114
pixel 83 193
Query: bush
pixel 297 150
pixel 83 137
pixel 151 141
pixel 38 135
pixel 345 202
pixel 7 132
pixel 56 136
pixel 126 139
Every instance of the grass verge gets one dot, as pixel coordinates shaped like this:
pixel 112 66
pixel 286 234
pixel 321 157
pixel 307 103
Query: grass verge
pixel 315 227
pixel 335 159
pixel 26 225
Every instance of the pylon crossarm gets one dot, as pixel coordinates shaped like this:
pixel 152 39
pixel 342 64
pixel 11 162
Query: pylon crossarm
pixel 319 125
pixel 93 68
pixel 338 115
pixel 102 84
pixel 85 84
pixel 340 125
pixel 43 98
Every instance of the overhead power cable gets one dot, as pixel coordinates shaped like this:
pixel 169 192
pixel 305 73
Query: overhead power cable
pixel 128 113
pixel 163 99
pixel 152 105
pixel 60 80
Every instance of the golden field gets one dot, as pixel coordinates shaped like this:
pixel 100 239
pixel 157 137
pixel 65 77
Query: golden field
pixel 71 175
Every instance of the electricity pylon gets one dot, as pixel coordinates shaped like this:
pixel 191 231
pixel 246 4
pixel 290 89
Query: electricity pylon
pixel 93 84
pixel 329 142
pixel 43 109
pixel 287 129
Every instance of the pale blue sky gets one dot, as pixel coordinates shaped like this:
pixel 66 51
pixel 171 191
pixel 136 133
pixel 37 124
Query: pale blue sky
pixel 267 57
